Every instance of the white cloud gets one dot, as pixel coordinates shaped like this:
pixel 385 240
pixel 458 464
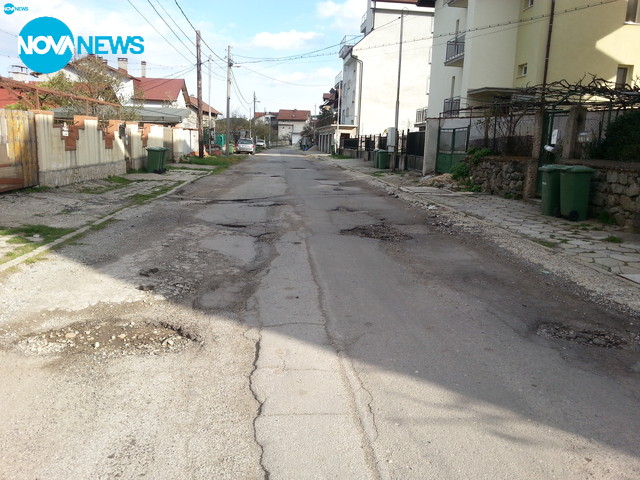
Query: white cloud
pixel 292 40
pixel 344 16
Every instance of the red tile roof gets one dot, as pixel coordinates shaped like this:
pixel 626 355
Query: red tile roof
pixel 6 98
pixel 161 88
pixel 293 115
pixel 205 108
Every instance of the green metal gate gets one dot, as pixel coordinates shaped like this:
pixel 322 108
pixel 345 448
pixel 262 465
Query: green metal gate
pixel 452 147
pixel 553 128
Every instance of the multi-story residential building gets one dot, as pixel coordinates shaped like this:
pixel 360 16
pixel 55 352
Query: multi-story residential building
pixel 386 72
pixel 492 48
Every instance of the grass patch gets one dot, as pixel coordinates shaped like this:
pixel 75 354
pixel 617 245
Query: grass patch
pixel 221 162
pixel 378 174
pixel 140 198
pixel 20 237
pixel 104 224
pixel 547 244
pixel 340 157
pixel 606 218
pixel 119 180
pixel 36 189
pixel 613 239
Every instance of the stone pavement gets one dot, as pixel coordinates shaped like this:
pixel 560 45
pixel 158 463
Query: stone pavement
pixel 605 248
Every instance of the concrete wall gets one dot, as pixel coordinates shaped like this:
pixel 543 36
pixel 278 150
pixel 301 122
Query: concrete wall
pixel 83 150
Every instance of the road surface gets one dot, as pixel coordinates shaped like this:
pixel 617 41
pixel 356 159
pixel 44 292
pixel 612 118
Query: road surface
pixel 286 321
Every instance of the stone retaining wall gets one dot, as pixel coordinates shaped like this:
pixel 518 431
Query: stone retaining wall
pixel 615 191
pixel 503 176
pixel 615 187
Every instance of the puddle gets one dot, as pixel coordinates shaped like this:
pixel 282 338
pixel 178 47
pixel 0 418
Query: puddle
pixel 113 338
pixel 378 232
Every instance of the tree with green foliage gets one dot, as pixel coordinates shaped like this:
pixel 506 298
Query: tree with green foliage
pixel 97 81
pixel 623 139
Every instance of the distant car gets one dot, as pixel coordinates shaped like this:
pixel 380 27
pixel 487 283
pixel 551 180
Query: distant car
pixel 261 143
pixel 245 145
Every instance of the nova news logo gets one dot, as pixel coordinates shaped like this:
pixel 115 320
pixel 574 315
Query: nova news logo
pixel 9 8
pixel 46 45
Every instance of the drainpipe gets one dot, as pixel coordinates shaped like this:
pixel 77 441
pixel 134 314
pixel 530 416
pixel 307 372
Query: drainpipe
pixel 359 92
pixel 548 49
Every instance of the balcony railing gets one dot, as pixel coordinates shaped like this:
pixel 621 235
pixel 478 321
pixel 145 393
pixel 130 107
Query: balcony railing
pixel 328 120
pixel 421 115
pixel 455 51
pixel 451 107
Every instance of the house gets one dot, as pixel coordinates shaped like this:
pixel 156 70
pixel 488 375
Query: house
pixel 479 59
pixel 372 65
pixel 496 54
pixel 291 123
pixel 209 115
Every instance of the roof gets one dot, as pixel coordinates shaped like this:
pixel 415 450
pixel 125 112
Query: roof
pixel 193 101
pixel 6 98
pixel 161 88
pixel 293 115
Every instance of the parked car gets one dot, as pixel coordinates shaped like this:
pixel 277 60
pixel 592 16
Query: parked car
pixel 245 145
pixel 261 143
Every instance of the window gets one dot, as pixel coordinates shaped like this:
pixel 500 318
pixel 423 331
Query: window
pixel 528 4
pixel 622 76
pixel 522 70
pixel 632 11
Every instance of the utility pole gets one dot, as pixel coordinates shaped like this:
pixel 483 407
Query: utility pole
pixel 395 149
pixel 199 71
pixel 209 102
pixel 254 114
pixel 229 65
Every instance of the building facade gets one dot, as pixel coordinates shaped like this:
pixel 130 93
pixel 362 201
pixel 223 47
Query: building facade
pixel 386 73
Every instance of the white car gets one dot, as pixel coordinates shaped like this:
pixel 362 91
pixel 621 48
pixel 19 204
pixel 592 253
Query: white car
pixel 261 143
pixel 245 145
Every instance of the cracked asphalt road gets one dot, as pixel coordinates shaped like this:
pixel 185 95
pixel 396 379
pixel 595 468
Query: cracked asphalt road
pixel 285 321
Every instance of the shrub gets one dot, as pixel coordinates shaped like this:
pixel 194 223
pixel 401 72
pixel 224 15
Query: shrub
pixel 623 138
pixel 459 171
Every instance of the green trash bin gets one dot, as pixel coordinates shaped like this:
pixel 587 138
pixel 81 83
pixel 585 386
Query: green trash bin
pixel 376 157
pixel 383 159
pixel 575 183
pixel 156 157
pixel 551 189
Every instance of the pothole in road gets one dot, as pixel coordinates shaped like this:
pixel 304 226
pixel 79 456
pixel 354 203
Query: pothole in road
pixel 379 231
pixel 344 209
pixel 107 338
pixel 593 338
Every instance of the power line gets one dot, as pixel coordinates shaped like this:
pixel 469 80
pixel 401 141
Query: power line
pixel 194 29
pixel 282 81
pixel 145 18
pixel 169 26
pixel 176 23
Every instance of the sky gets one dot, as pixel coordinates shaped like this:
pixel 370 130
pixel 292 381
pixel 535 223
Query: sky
pixel 285 52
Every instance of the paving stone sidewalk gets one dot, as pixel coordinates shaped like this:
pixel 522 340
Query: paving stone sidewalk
pixel 605 248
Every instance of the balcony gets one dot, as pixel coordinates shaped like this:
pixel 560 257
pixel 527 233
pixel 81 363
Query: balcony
pixel 421 115
pixel 451 107
pixel 455 52
pixel 458 3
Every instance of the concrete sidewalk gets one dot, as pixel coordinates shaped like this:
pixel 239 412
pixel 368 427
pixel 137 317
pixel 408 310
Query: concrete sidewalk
pixel 604 248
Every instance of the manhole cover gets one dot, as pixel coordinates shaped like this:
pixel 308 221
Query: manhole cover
pixel 594 338
pixel 379 232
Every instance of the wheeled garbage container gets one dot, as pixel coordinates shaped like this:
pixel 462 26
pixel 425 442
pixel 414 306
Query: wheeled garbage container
pixel 383 159
pixel 575 183
pixel 156 157
pixel 551 189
